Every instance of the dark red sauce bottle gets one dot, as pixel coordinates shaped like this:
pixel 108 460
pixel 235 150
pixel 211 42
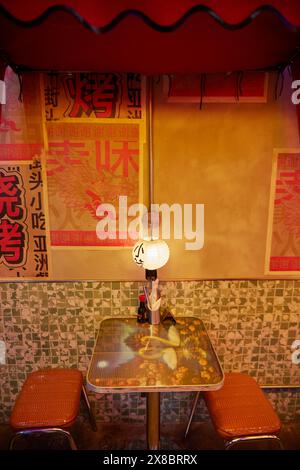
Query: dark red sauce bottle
pixel 142 310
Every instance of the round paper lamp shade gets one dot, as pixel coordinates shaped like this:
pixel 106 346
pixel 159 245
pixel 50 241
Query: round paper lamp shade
pixel 156 254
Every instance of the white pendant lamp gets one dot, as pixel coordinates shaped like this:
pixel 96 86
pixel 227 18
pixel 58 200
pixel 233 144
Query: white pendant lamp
pixel 156 254
pixel 151 254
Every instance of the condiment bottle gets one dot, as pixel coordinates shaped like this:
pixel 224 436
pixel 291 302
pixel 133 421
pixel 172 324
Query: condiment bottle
pixel 142 310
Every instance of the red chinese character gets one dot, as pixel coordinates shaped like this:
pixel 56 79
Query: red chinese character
pixel 66 151
pixel 11 242
pixel 8 185
pixel 10 200
pixel 287 186
pixel 125 158
pixel 125 154
pixel 93 93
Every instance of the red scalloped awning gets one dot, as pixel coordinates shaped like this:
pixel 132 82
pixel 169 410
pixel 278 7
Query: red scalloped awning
pixel 149 36
pixel 101 12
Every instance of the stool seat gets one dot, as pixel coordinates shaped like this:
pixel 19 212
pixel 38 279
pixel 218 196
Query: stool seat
pixel 240 408
pixel 49 398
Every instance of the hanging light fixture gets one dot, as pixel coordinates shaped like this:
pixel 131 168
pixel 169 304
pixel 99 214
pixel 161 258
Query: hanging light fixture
pixel 156 254
pixel 150 253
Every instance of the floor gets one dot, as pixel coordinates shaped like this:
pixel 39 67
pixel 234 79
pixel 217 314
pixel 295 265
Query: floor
pixel 124 436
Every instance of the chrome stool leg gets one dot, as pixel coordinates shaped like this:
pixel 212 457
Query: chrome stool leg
pixel 27 432
pixel 88 406
pixel 192 413
pixel 73 446
pixel 12 441
pixel 232 442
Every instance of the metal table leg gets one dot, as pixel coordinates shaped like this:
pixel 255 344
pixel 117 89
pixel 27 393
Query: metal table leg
pixel 192 413
pixel 153 420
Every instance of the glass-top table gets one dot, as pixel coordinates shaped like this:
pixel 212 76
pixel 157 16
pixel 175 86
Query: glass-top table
pixel 134 357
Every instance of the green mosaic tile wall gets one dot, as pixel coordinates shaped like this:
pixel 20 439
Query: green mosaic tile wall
pixel 251 323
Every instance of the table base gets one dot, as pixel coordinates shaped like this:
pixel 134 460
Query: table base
pixel 153 420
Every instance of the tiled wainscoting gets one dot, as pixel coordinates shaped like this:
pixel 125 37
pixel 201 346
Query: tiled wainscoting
pixel 251 323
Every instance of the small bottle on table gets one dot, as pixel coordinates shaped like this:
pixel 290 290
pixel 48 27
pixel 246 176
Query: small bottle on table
pixel 142 310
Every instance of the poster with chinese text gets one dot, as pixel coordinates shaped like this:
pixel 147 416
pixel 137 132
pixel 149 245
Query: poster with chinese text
pixel 93 95
pixel 88 164
pixel 23 234
pixel 283 244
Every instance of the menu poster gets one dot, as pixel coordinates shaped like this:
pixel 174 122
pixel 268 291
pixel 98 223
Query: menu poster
pixel 23 234
pixel 283 243
pixel 89 164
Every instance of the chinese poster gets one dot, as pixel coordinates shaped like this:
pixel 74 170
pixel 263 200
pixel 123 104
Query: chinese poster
pixel 68 143
pixel 283 247
pixel 93 95
pixel 89 164
pixel 23 236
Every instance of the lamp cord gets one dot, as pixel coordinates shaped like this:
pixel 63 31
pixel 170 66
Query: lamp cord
pixel 150 148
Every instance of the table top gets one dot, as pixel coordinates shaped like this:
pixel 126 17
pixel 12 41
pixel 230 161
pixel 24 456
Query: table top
pixel 130 356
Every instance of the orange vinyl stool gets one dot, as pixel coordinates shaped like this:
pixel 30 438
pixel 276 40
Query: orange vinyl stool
pixel 240 411
pixel 49 403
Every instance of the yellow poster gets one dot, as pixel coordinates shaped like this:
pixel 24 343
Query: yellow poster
pixel 23 229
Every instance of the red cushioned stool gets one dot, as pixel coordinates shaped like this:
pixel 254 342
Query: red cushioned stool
pixel 49 403
pixel 240 411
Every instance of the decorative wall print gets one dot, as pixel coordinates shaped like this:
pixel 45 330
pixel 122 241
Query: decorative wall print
pixel 23 235
pixel 283 244
pixel 89 163
pixel 218 88
pixel 21 152
pixel 92 95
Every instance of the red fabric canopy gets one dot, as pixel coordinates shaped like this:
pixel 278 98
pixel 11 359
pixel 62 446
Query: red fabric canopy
pixel 101 12
pixel 149 36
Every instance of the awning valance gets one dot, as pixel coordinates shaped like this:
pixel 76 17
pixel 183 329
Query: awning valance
pixel 149 36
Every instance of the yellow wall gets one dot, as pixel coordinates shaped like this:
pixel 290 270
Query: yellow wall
pixel 221 156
